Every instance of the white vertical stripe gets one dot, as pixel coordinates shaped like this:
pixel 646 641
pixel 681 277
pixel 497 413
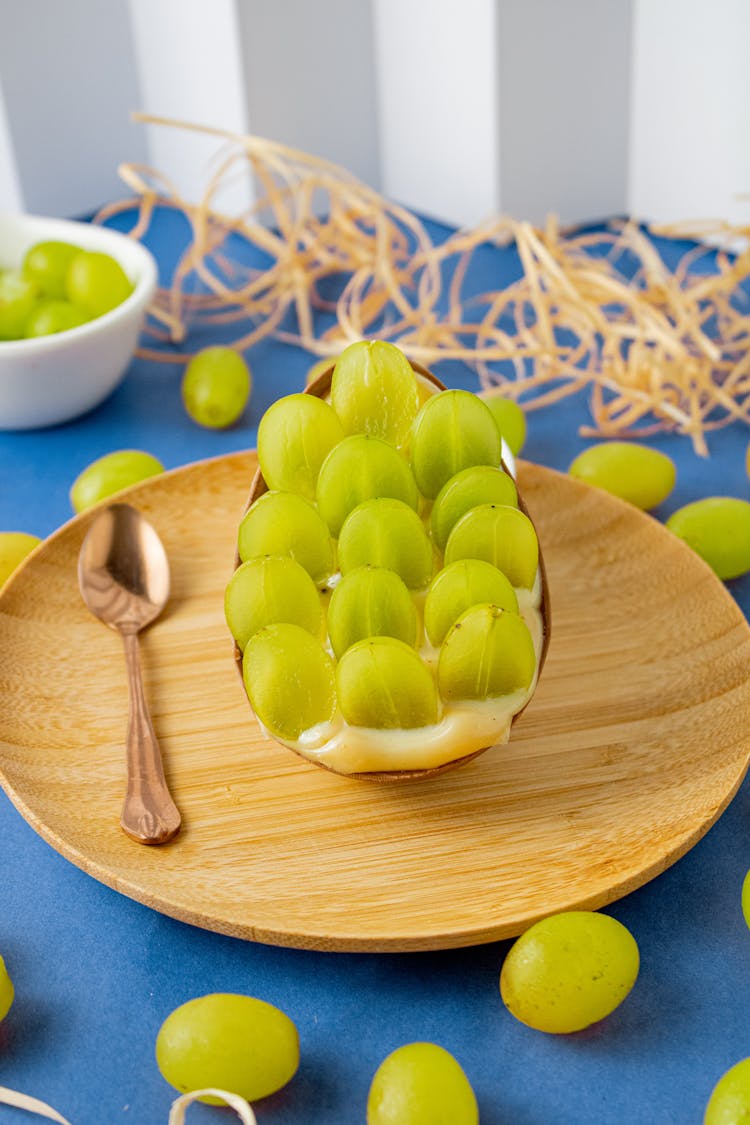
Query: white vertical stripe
pixel 11 198
pixel 690 118
pixel 189 66
pixel 564 106
pixel 310 77
pixel 437 101
pixel 69 84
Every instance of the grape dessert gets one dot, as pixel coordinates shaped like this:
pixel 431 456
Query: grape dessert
pixel 389 605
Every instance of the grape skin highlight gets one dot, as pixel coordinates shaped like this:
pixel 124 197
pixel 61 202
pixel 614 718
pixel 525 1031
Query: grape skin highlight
pixel 295 436
pixel 270 591
pixel 362 468
pixel 382 683
pixel 283 523
pixel 370 601
pixel 290 680
pixel 374 391
pixel 453 431
pixel 387 533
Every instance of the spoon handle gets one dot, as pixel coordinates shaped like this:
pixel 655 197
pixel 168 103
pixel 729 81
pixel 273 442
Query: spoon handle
pixel 149 815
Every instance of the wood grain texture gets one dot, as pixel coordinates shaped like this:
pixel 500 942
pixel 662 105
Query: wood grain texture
pixel 635 741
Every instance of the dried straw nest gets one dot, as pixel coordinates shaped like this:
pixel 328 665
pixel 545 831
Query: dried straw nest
pixel 660 349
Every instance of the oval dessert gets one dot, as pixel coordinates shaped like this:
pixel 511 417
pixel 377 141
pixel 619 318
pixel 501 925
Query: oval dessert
pixel 388 606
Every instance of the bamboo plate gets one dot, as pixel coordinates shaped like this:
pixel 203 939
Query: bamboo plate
pixel 636 740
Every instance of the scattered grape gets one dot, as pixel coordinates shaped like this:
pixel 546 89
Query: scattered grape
pixel 14 547
pixel 487 653
pixel 510 418
pixel 460 586
pixel 479 484
pixel 295 436
pixel 283 523
pixel 17 297
pixel 374 391
pixel 569 970
pixel 96 282
pixel 362 468
pixel 268 591
pixel 387 533
pixel 746 898
pixel 642 476
pixel 729 1103
pixel 382 683
pixel 453 430
pixel 50 317
pixel 110 474
pixel 290 680
pixel 718 529
pixel 421 1084
pixel 500 535
pixel 370 601
pixel 228 1042
pixel 6 990
pixel 46 264
pixel 215 387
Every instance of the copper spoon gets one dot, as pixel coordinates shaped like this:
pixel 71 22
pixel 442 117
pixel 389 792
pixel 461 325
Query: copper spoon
pixel 123 575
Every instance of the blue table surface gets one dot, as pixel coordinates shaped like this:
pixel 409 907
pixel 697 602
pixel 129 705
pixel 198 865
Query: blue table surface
pixel 96 973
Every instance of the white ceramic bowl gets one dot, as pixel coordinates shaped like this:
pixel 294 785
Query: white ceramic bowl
pixel 51 379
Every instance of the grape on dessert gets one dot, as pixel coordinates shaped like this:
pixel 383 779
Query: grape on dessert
pixel 271 590
pixel 290 680
pixel 370 601
pixel 284 523
pixel 460 586
pixel 382 682
pixel 374 391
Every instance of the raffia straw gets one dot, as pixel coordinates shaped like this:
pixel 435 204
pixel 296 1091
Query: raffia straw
pixel 658 349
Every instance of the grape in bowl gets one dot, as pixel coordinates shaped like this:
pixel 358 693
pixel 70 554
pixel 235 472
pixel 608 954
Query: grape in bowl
pixel 433 623
pixel 55 376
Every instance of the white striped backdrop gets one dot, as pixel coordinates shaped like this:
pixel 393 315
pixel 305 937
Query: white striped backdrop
pixel 458 108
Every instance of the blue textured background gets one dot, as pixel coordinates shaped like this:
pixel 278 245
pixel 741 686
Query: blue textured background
pixel 96 974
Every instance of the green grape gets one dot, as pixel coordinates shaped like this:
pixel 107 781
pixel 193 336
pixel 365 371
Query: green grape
pixel 290 680
pixel 479 484
pixel 96 282
pixel 382 683
pixel 6 990
pixel 487 653
pixel 267 591
pixel 421 1084
pixel 14 547
pixel 460 586
pixel 718 529
pixel 362 468
pixel 386 532
pixel 500 535
pixel 642 476
pixel 283 523
pixel 569 971
pixel 47 264
pixel 50 317
pixel 295 436
pixel 17 299
pixel 110 474
pixel 729 1103
pixel 215 387
pixel 228 1042
pixel 374 391
pixel 370 601
pixel 746 898
pixel 510 418
pixel 453 430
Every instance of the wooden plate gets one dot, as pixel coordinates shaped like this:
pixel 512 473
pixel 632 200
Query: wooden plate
pixel 635 741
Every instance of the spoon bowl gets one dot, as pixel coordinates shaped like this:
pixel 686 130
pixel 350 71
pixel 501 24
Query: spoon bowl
pixel 321 386
pixel 123 575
